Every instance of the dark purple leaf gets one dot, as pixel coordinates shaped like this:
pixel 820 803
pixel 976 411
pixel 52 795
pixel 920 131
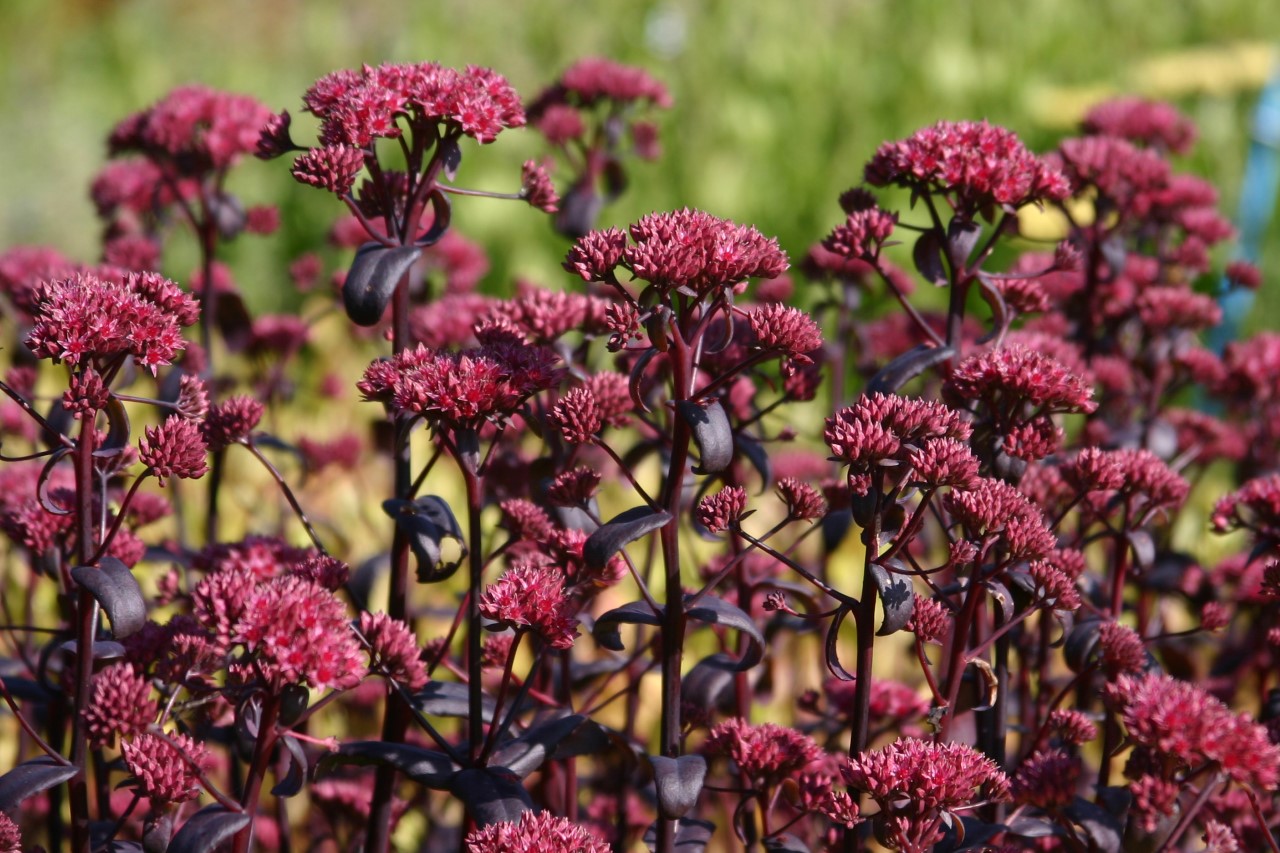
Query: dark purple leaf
pixel 449 699
pixel 607 630
pixel 717 611
pixel 1003 597
pixel 206 829
pixel 895 597
pixel 1080 644
pixel 117 590
pixel 625 527
pixel 233 321
pixel 27 690
pixel 907 366
pixel 372 280
pixel 1001 316
pixel 1028 826
pixel 424 766
pixel 426 522
pixel 831 655
pixel 711 683
pixel 637 373
pixel 227 213
pixel 1144 549
pixel 927 255
pixel 492 795
pixel 712 434
pixel 962 236
pixel 1102 829
pixel 758 457
pixel 785 843
pixel 678 782
pixel 291 784
pixel 615 179
pixel 156 834
pixel 563 737
pixel 118 431
pixel 579 209
pixel 692 835
pixel 450 154
pixel 835 527
pixel 103 650
pixel 247 724
pixel 42 484
pixel 30 778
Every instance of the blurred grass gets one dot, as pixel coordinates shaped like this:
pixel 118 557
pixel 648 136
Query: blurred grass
pixel 777 105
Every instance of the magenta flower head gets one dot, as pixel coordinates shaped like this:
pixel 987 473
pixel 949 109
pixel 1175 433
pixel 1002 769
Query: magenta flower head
pixel 120 705
pixel 231 421
pixel 195 129
pixel 166 775
pixel 1152 123
pixel 862 235
pixel 917 783
pixel 87 319
pixel 765 754
pixel 393 649
pixel 789 331
pixel 881 432
pixel 532 598
pixel 300 634
pixel 461 390
pixel 687 251
pixel 977 165
pixel 176 448
pixel 722 510
pixel 535 832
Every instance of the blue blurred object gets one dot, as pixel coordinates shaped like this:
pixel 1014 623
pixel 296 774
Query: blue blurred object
pixel 1257 204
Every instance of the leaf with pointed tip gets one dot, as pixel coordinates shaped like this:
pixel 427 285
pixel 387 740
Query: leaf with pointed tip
pixel 562 737
pixel 103 650
pixel 42 484
pixel 118 431
pixel 927 254
pixel 711 683
pixel 831 653
pixel 712 434
pixel 785 843
pixel 717 611
pixel 1103 829
pixel 233 321
pixel 615 179
pixel 637 373
pixel 426 522
pixel 895 598
pixel 624 528
pixel 449 699
pixel 692 835
pixel 1001 316
pixel 291 784
pixel 450 154
pixel 1144 549
pixel 1004 598
pixel 424 766
pixel 908 366
pixel 372 280
pixel 962 236
pixel 117 590
pixel 27 690
pixel 607 630
pixel 30 778
pixel 759 459
pixel 678 782
pixel 1028 826
pixel 491 794
pixel 206 829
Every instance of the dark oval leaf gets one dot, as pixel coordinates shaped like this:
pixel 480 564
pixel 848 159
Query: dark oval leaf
pixel 615 179
pixel 426 522
pixel 895 597
pixel 785 843
pixel 712 434
pixel 449 699
pixel 450 154
pixel 563 737
pixel 1080 644
pixel 908 366
pixel 1003 597
pixel 492 794
pixel 831 654
pixel 30 778
pixel 607 631
pixel 291 784
pixel 758 457
pixel 678 782
pixel 927 254
pixel 711 683
pixel 103 650
pixel 579 208
pixel 623 528
pixel 637 373
pixel 424 766
pixel 231 317
pixel 375 272
pixel 117 590
pixel 717 611
pixel 962 236
pixel 1103 829
pixel 206 829
pixel 692 835
pixel 1144 549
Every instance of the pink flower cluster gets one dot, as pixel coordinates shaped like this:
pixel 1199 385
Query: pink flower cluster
pixel 882 432
pixel 194 128
pixel 532 598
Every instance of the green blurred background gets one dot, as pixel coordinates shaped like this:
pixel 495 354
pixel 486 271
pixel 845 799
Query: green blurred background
pixel 777 104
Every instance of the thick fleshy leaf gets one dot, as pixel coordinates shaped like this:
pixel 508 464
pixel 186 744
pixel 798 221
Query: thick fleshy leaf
pixel 607 630
pixel 831 650
pixel 1102 828
pixel 927 254
pixel 615 179
pixel 1144 549
pixel 427 522
pixel 712 434
pixel 678 782
pixel 579 209
pixel 1029 826
pixel 908 366
pixel 717 611
pixel 30 778
pixel 1001 316
pixel 759 459
pixel 895 598
pixel 1081 642
pixel 206 829
pixel 1003 597
pixel 692 835
pixel 962 237
pixel 372 280
pixel 711 683
pixel 785 843
pixel 450 154
pixel 448 699
pixel 103 650
pixel 232 319
pixel 118 430
pixel 117 590
pixel 637 373
pixel 492 794
pixel 291 784
pixel 624 528
pixel 424 766
pixel 563 737
pixel 26 690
